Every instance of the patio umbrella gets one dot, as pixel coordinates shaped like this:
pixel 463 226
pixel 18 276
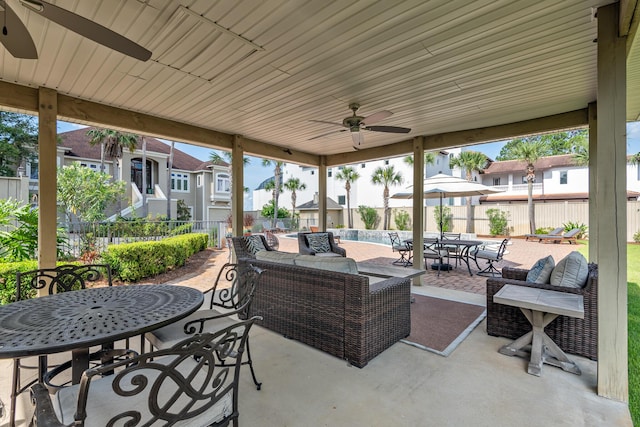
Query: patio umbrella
pixel 441 185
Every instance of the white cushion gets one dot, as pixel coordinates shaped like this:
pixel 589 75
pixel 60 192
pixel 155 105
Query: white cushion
pixel 103 403
pixel 541 270
pixel 170 335
pixel 276 256
pixel 338 264
pixel 571 271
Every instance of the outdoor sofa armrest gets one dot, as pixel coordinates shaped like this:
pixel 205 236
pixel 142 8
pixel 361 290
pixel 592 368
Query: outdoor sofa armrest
pixel 44 412
pixel 514 273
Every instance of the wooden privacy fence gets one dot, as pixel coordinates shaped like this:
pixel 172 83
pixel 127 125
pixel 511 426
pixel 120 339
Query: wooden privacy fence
pixel 548 215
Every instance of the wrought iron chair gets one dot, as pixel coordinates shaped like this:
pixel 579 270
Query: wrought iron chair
pixel 454 250
pixel 434 250
pixel 221 302
pixel 402 249
pixel 194 382
pixel 491 257
pixel 63 278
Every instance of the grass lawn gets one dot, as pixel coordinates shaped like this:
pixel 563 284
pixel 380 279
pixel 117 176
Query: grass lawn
pixel 633 307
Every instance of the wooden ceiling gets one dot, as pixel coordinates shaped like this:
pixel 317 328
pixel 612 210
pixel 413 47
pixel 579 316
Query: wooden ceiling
pixel 265 69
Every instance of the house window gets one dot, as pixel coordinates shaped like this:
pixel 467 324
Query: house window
pixel 563 177
pixel 496 181
pixel 386 162
pixel 223 183
pixel 524 179
pixel 313 172
pixel 179 182
pixel 342 200
pixel 363 165
pixel 199 181
pixel 329 173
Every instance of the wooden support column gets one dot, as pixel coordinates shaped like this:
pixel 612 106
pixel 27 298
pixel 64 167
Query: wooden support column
pixel 593 182
pixel 611 221
pixel 322 194
pixel 237 173
pixel 47 183
pixel 418 206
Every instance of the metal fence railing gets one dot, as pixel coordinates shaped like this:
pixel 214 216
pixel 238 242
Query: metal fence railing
pixel 81 237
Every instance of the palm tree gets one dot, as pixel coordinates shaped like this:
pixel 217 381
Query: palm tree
pixel 277 184
pixel 470 161
pixel 581 153
pixel 386 177
pixel 429 158
pixel 293 185
pixel 348 175
pixel 530 152
pixel 112 143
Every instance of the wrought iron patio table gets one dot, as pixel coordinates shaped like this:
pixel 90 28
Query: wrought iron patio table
pixel 464 245
pixel 75 321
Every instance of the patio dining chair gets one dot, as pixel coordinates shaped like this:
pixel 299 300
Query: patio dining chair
pixel 491 257
pixel 192 383
pixel 402 249
pixel 454 250
pixel 226 301
pixel 435 250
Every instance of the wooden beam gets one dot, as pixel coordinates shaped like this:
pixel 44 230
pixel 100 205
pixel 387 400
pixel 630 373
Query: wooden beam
pixel 610 193
pixel 555 123
pixel 47 182
pixel 274 152
pixel 627 9
pixel 593 182
pixel 368 154
pixel 631 19
pixel 418 206
pixel 21 99
pixel 237 172
pixel 92 113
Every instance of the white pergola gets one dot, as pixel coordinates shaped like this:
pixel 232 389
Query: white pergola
pixel 248 77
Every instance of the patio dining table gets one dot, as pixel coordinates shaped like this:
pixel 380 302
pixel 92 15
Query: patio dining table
pixel 74 321
pixel 464 247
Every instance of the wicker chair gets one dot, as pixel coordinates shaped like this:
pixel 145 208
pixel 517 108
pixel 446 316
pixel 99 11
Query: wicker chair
pixel 576 336
pixel 244 246
pixel 194 382
pixel 304 249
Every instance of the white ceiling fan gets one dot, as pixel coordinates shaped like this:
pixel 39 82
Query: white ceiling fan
pixel 16 38
pixel 355 124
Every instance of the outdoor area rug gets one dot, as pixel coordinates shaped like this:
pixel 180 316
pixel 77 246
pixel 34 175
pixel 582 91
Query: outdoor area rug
pixel 439 325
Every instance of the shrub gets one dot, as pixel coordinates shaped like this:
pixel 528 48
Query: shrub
pixel 636 237
pixel 182 229
pixel 497 222
pixel 369 216
pixel 443 212
pixel 402 220
pixel 568 226
pixel 8 272
pixel 131 262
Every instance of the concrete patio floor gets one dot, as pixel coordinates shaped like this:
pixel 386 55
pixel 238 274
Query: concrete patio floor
pixel 407 386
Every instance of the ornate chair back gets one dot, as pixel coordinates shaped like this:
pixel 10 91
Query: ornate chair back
pixel 63 278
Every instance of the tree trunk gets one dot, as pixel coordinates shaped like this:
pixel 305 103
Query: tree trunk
pixel 170 170
pixel 349 216
pixel 276 194
pixel 387 212
pixel 102 156
pixel 469 215
pixel 532 211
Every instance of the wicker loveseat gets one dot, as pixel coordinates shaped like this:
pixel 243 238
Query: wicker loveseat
pixel 576 336
pixel 342 314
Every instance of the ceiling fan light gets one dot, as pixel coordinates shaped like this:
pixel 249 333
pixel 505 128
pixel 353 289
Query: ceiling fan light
pixel 356 136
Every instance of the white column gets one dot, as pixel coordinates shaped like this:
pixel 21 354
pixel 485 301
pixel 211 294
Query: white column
pixel 418 206
pixel 322 194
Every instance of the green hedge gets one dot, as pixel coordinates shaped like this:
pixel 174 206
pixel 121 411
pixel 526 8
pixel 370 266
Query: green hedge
pixel 8 272
pixel 131 262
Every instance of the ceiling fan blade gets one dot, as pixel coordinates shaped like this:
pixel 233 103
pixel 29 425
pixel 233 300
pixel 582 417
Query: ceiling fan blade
pixel 388 129
pixel 376 117
pixel 88 29
pixel 327 134
pixel 17 39
pixel 327 123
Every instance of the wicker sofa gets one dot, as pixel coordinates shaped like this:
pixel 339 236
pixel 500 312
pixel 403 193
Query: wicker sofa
pixel 342 314
pixel 576 336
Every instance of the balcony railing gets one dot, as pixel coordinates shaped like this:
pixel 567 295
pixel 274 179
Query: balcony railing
pixel 519 188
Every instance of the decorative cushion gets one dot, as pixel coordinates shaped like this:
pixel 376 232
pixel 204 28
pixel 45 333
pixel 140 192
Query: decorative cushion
pixel 276 256
pixel 319 242
pixel 541 270
pixel 254 244
pixel 337 264
pixel 571 271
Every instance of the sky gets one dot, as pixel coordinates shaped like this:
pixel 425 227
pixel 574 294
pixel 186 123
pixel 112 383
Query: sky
pixel 255 173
